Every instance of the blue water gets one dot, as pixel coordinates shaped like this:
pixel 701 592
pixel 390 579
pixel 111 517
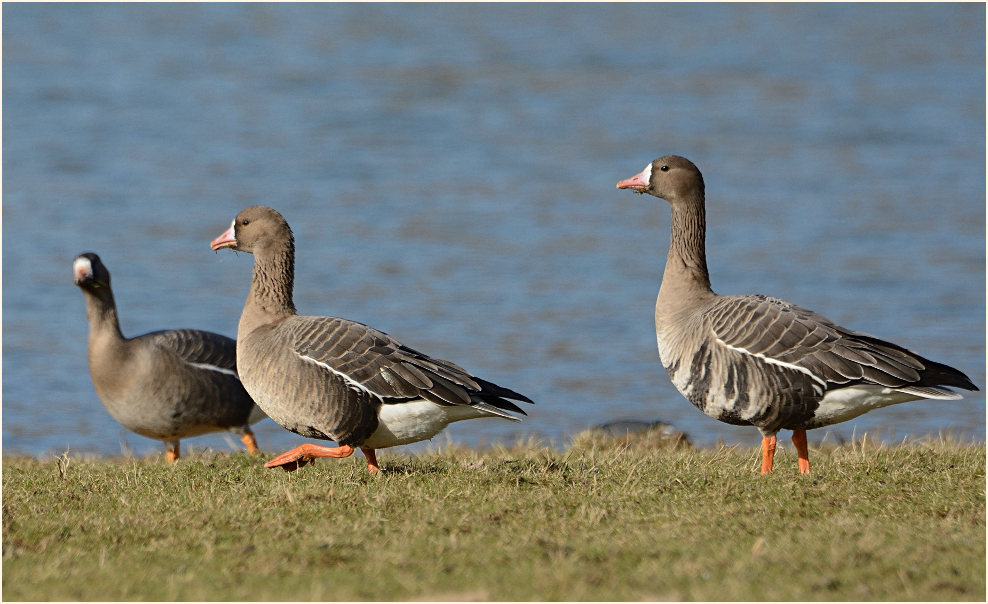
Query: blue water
pixel 449 173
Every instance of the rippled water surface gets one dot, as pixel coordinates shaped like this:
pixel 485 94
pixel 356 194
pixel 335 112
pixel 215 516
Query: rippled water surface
pixel 449 173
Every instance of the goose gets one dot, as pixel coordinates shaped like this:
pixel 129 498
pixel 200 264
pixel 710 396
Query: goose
pixel 761 361
pixel 334 379
pixel 165 385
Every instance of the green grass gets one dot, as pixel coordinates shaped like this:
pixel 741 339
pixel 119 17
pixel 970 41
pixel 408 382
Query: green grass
pixel 601 520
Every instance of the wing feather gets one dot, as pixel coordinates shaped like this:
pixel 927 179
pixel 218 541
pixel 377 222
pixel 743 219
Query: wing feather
pixel 789 334
pixel 381 365
pixel 199 347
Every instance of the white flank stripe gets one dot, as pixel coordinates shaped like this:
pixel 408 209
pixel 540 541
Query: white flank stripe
pixel 772 361
pixel 349 380
pixel 209 367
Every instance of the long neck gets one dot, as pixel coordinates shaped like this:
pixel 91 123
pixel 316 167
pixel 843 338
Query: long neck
pixel 105 339
pixel 101 311
pixel 270 296
pixel 686 275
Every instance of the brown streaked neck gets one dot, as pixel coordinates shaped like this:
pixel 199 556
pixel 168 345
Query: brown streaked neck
pixel 270 297
pixel 686 277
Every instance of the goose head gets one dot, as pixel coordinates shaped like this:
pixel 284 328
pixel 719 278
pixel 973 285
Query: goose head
pixel 254 229
pixel 672 178
pixel 89 273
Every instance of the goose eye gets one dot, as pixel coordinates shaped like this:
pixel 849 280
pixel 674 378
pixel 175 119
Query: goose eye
pixel 245 222
pixel 664 168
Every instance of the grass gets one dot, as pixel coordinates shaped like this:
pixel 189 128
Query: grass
pixel 604 519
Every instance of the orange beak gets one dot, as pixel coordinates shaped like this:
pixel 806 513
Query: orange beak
pixel 638 182
pixel 227 239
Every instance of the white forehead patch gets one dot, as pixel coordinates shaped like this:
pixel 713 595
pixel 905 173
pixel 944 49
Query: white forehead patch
pixel 82 266
pixel 647 174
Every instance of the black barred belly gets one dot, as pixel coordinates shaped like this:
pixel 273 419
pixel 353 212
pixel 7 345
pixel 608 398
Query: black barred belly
pixel 743 390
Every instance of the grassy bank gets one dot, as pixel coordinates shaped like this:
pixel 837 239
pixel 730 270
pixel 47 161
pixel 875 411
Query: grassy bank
pixel 600 520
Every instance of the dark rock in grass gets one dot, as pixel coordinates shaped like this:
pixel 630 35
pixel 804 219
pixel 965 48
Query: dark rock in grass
pixel 653 434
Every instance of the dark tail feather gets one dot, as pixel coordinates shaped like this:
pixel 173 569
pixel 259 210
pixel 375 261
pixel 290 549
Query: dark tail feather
pixel 502 404
pixel 490 389
pixel 496 397
pixel 938 374
pixel 933 374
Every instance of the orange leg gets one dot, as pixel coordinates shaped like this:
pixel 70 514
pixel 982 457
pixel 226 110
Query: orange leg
pixel 171 453
pixel 371 456
pixel 768 453
pixel 799 440
pixel 249 440
pixel 299 456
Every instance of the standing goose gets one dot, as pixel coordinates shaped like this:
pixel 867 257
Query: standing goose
pixel 165 385
pixel 334 379
pixel 761 361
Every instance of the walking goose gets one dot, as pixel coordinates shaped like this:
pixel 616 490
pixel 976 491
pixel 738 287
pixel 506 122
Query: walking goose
pixel 334 379
pixel 165 385
pixel 761 361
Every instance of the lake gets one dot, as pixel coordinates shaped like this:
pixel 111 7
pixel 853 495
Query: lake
pixel 449 172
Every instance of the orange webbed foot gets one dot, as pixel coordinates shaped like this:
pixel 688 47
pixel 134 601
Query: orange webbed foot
pixel 802 451
pixel 250 442
pixel 371 456
pixel 171 453
pixel 768 453
pixel 307 453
